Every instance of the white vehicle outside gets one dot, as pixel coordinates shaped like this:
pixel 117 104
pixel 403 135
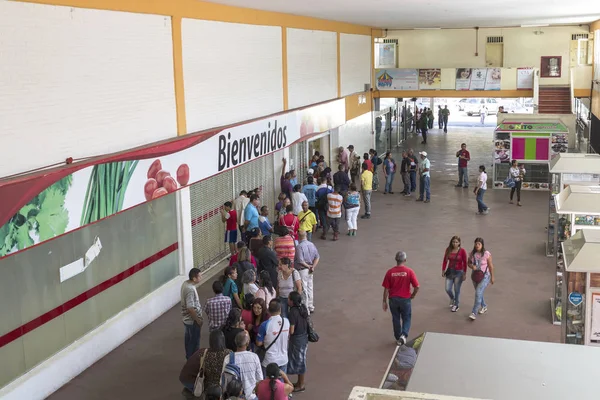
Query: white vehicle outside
pixel 473 106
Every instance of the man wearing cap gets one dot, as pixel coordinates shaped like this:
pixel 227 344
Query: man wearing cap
pixel 396 290
pixel 354 160
pixel 424 177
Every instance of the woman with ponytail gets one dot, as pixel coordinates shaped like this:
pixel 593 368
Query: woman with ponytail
pixel 272 388
pixel 298 345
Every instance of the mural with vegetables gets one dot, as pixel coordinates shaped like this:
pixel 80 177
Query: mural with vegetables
pixel 52 203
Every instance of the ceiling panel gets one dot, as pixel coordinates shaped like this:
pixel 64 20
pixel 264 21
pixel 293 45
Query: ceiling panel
pixel 405 14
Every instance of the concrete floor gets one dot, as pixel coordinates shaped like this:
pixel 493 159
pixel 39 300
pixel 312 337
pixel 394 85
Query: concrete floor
pixel 356 335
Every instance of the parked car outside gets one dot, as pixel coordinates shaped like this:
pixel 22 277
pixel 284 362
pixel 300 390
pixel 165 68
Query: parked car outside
pixel 461 104
pixel 473 106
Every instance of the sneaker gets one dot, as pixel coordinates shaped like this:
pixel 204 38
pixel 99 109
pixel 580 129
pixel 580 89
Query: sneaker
pixel 473 316
pixel 455 309
pixel 483 310
pixel 427 201
pixel 401 341
pixel 486 212
pixel 451 303
pixel 364 216
pixel 419 199
pixel 406 194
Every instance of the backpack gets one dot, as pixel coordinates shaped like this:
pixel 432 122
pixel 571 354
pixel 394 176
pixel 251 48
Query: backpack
pixel 230 371
pixel 322 202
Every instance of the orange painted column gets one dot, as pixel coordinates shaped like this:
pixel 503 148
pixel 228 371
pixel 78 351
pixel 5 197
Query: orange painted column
pixel 284 65
pixel 178 75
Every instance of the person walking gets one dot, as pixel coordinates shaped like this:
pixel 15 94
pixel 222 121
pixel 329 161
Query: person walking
pixel 479 191
pixel 289 279
pixel 463 160
pixel 414 164
pixel 480 261
pixel 396 290
pixel 517 173
pixel 334 214
pixel 307 258
pixel 352 205
pixel 217 308
pixel 191 312
pixel 298 346
pixel 424 184
pixel 440 117
pixel 482 114
pixel 404 171
pixel 389 170
pixel 366 182
pixel 445 115
pixel 273 334
pixel 454 271
pixel 249 364
pixel 424 124
pixel 430 118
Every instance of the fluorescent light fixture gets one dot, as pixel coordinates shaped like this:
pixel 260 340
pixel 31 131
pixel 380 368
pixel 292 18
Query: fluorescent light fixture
pixel 534 25
pixel 426 29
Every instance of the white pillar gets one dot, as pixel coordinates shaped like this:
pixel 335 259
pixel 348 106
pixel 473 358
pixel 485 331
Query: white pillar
pixel 184 231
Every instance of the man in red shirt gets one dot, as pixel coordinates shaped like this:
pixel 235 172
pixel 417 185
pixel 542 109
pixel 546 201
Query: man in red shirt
pixel 463 158
pixel 396 290
pixel 229 217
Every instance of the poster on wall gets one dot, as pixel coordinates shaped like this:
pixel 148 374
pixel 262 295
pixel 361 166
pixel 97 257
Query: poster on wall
pixel 525 78
pixel 397 79
pixel 386 55
pixel 59 201
pixel 493 79
pixel 560 143
pixel 501 151
pixel 478 77
pixel 463 78
pixel 430 79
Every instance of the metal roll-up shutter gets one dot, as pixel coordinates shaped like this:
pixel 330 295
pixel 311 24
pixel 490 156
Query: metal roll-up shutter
pixel 208 231
pixel 298 155
pixel 257 174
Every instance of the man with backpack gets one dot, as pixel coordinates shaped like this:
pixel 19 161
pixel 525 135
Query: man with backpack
pixel 322 191
pixel 249 370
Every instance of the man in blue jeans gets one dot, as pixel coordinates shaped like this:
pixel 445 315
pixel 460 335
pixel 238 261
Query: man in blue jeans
pixel 424 178
pixel 191 312
pixel 396 290
pixel 414 163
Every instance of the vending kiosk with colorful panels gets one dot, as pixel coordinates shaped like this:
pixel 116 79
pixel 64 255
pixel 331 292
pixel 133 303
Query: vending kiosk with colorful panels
pixel 532 144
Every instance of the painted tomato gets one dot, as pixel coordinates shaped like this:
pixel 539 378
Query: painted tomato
pixel 154 168
pixel 170 184
pixel 159 192
pixel 149 188
pixel 183 174
pixel 160 177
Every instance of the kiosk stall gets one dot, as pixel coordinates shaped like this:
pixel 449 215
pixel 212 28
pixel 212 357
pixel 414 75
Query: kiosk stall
pixel 581 288
pixel 569 169
pixel 531 143
pixel 577 207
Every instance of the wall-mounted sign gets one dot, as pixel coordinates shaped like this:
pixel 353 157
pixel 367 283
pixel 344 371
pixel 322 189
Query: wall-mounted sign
pixel 575 298
pixel 525 78
pixel 478 78
pixel 397 79
pixel 430 79
pixel 55 202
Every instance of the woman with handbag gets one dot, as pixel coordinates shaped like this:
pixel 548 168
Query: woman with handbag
pixel 454 270
pixel 480 261
pixel 203 369
pixel 517 173
pixel 289 279
pixel 298 346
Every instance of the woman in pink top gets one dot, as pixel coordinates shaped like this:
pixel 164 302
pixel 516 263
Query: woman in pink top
pixel 480 259
pixel 454 270
pixel 272 388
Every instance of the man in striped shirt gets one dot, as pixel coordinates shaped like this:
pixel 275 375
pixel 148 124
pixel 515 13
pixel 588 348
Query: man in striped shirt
pixel 249 364
pixel 334 214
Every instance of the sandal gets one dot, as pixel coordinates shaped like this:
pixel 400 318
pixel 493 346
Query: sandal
pixel 299 389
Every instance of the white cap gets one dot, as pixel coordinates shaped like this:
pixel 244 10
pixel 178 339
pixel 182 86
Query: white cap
pixel 310 171
pixel 423 153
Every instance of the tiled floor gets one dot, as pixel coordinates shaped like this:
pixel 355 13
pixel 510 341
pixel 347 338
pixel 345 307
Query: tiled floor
pixel 356 335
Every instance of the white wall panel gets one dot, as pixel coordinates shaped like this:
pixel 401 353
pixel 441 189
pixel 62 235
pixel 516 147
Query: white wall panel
pixel 232 72
pixel 312 66
pixel 79 82
pixel 357 132
pixel 355 62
